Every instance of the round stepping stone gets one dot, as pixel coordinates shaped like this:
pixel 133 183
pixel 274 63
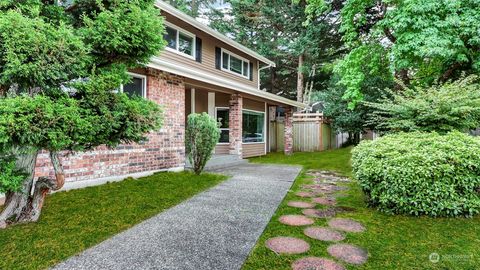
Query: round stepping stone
pixel 324 234
pixel 287 245
pixel 325 201
pixel 315 263
pixel 319 213
pixel 345 224
pixel 299 204
pixel 296 220
pixel 305 194
pixel 348 253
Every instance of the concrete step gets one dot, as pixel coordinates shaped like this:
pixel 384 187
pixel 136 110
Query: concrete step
pixel 220 161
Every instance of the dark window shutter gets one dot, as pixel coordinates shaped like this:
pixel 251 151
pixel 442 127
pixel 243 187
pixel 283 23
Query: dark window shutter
pixel 251 71
pixel 198 50
pixel 218 57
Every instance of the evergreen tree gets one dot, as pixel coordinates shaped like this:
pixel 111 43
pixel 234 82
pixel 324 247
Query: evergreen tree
pixel 60 65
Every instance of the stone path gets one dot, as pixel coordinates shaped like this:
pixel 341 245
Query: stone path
pixel 326 188
pixel 214 230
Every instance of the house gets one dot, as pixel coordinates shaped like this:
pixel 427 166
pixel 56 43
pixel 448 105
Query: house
pixel 200 70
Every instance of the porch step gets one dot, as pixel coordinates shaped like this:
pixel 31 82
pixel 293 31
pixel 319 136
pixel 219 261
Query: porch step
pixel 220 161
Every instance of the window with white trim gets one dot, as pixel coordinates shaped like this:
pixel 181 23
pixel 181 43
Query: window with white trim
pixel 179 40
pixel 235 64
pixel 136 87
pixel 223 120
pixel 253 126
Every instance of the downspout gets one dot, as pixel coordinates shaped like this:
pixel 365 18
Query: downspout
pixel 260 69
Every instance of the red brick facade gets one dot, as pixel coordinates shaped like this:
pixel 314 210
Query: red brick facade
pixel 165 149
pixel 235 134
pixel 288 131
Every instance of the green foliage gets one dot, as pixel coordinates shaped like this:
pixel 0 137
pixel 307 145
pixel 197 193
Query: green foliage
pixel 421 173
pixel 363 62
pixel 129 32
pixel 201 137
pixel 11 178
pixel 441 108
pixel 34 53
pixel 423 41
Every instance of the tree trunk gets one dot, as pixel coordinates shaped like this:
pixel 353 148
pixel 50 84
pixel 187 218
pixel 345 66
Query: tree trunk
pixel 25 206
pixel 300 78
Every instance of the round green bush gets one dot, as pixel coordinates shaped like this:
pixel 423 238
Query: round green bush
pixel 421 173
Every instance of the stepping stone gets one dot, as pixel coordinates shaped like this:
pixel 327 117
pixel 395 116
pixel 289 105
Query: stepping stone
pixel 315 263
pixel 325 201
pixel 287 245
pixel 324 234
pixel 305 194
pixel 299 204
pixel 319 213
pixel 296 220
pixel 345 224
pixel 348 253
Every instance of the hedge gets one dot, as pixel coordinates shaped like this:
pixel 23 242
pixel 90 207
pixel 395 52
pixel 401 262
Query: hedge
pixel 420 173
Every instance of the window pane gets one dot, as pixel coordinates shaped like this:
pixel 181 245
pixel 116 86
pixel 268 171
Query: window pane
pixel 253 124
pixel 185 44
pixel 224 137
pixel 171 38
pixel 236 65
pixel 225 61
pixel 223 118
pixel 134 88
pixel 245 69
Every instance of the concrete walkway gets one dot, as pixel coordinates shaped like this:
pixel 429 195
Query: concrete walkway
pixel 214 230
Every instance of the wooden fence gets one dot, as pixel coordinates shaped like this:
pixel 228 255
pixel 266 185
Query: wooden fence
pixel 311 132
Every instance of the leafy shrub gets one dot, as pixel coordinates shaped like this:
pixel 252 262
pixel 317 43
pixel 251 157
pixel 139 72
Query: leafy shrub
pixel 201 136
pixel 421 173
pixel 441 108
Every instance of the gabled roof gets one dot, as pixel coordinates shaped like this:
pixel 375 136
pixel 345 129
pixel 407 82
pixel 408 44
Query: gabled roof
pixel 188 19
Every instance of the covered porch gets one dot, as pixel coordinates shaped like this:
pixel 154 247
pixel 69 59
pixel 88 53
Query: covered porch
pixel 243 118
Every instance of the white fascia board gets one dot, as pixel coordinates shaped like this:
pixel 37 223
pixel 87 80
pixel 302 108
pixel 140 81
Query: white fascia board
pixel 190 20
pixel 200 75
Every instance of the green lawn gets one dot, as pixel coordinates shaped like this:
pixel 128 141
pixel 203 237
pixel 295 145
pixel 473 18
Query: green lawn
pixel 393 242
pixel 75 220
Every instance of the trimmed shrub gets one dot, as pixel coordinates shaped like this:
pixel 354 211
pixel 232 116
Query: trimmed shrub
pixel 421 173
pixel 201 137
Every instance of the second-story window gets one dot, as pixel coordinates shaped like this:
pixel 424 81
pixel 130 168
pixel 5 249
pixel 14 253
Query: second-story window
pixel 179 40
pixel 235 64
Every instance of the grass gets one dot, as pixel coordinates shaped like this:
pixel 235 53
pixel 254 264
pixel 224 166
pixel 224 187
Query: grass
pixel 393 242
pixel 76 220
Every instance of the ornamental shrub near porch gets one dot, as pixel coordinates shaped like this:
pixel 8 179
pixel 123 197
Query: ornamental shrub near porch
pixel 201 137
pixel 421 173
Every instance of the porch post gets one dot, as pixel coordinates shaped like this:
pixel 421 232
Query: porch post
pixel 288 131
pixel 235 125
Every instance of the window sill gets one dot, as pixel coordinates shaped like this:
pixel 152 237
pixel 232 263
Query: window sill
pixel 180 53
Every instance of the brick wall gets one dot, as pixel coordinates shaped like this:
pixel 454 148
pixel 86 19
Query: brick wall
pixel 164 149
pixel 235 124
pixel 288 131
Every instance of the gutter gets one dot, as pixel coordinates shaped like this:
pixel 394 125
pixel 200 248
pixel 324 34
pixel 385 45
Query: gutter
pixel 260 69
